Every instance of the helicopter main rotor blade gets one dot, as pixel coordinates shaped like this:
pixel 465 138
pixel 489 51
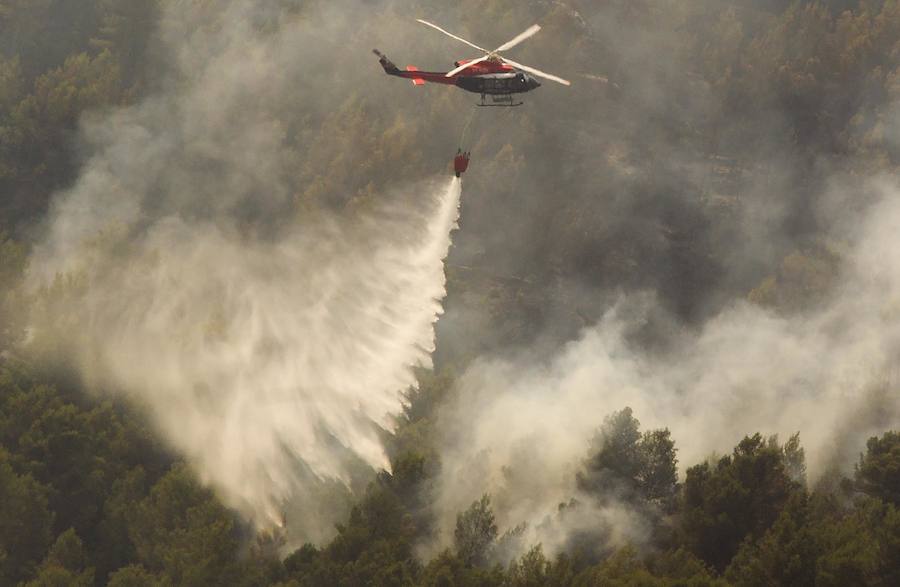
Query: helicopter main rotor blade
pixel 530 32
pixel 467 65
pixel 538 72
pixel 460 39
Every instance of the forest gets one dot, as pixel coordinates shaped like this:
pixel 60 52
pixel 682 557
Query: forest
pixel 714 160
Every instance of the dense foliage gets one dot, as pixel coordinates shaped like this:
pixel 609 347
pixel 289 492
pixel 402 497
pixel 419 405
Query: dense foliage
pixel 89 497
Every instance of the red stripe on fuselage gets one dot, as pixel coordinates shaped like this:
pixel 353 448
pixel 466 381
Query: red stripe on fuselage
pixel 440 77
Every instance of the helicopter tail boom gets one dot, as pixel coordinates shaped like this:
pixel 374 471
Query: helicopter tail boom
pixel 412 73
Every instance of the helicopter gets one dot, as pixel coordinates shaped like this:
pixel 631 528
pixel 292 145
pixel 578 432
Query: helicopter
pixel 490 75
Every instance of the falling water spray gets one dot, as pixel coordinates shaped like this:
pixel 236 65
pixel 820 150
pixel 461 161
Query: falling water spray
pixel 268 364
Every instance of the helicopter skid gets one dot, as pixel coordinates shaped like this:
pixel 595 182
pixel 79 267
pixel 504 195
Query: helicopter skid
pixel 499 101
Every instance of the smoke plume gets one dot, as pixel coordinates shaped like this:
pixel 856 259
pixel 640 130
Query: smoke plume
pixel 520 428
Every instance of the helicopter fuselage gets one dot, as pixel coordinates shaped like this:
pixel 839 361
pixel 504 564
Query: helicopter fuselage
pixel 494 84
pixel 488 78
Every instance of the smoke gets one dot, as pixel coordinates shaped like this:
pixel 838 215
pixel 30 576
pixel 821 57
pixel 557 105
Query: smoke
pixel 268 338
pixel 520 428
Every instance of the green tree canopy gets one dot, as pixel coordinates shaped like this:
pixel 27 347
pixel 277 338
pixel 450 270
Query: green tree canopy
pixel 25 523
pixel 475 532
pixel 878 471
pixel 738 497
pixel 626 464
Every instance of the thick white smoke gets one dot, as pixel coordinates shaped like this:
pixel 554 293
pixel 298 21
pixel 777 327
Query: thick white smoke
pixel 269 342
pixel 521 429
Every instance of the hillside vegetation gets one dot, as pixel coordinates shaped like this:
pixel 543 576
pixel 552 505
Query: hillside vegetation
pixel 691 158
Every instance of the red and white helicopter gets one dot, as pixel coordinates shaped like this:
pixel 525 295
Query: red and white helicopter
pixel 490 75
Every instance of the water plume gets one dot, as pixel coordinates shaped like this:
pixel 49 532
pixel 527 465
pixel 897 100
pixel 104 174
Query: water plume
pixel 263 361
